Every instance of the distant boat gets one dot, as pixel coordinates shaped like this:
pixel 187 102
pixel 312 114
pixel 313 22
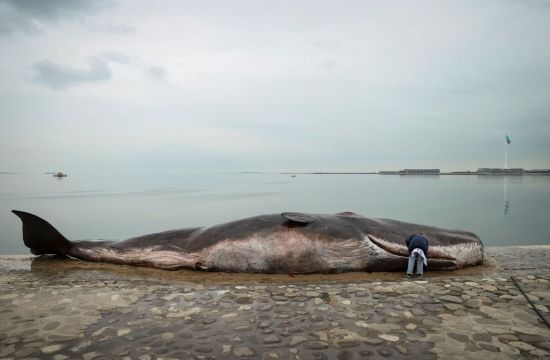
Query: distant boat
pixel 59 175
pixel 293 176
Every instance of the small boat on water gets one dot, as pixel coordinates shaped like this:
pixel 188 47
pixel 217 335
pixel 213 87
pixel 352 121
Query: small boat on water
pixel 59 175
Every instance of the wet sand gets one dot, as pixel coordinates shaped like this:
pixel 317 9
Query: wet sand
pixel 62 308
pixel 53 264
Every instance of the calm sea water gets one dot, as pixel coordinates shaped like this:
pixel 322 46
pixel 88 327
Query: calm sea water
pixel 510 210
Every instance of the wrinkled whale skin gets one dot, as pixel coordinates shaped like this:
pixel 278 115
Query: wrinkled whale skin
pixel 277 243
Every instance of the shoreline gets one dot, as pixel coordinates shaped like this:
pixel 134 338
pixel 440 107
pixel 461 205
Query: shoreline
pixel 491 264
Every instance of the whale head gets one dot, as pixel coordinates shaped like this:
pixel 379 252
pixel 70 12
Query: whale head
pixel 383 240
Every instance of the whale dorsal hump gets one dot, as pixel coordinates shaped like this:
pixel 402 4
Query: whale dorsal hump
pixel 349 214
pixel 299 218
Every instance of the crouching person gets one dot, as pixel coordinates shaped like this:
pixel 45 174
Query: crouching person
pixel 418 252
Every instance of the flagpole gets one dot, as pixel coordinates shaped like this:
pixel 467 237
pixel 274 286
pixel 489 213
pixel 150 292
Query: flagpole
pixel 506 155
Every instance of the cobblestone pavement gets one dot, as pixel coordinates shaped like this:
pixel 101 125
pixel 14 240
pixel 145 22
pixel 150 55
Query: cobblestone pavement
pixel 59 309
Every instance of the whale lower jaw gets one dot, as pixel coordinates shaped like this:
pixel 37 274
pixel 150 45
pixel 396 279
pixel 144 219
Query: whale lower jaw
pixel 401 253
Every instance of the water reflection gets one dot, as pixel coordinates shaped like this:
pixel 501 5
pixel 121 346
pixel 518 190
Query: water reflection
pixel 506 201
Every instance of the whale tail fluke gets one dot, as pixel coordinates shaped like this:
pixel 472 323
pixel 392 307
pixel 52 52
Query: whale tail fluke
pixel 41 237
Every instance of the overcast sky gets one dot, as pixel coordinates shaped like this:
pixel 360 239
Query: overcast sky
pixel 273 85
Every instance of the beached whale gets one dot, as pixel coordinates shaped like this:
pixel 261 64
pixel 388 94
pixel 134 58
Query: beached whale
pixel 280 243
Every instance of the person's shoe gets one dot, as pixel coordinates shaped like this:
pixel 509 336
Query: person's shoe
pixel 409 275
pixel 419 275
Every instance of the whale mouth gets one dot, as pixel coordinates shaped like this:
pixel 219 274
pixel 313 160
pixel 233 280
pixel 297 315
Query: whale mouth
pixel 401 251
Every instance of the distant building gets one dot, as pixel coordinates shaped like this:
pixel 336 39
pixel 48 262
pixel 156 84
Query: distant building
pixel 419 172
pixel 498 171
pixel 537 171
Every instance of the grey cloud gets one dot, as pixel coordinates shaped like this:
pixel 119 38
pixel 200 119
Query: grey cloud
pixel 9 24
pixel 28 15
pixel 116 57
pixel 59 77
pixel 10 20
pixel 54 10
pixel 157 72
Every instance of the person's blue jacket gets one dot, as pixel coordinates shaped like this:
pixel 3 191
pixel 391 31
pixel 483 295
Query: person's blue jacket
pixel 417 241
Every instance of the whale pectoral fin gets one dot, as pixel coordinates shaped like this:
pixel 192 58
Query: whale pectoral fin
pixel 150 256
pixel 299 218
pixel 174 260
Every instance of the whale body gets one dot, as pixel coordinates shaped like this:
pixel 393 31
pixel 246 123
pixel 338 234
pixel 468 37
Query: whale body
pixel 289 242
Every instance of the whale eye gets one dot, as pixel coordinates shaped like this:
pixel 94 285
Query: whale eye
pixel 299 218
